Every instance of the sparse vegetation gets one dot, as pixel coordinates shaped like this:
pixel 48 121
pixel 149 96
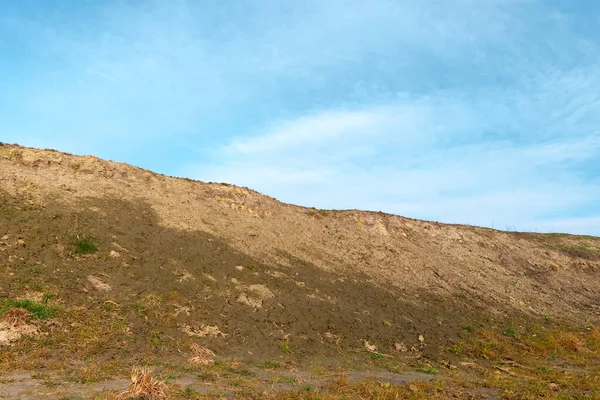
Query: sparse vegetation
pixel 308 305
pixel 284 345
pixel 37 310
pixel 511 332
pixel 426 368
pixel 17 317
pixel 144 386
pixel 202 355
pixel 84 244
pixel 271 364
pixel 47 297
pixel 340 388
pixel 188 393
pixel 140 309
pixel 540 362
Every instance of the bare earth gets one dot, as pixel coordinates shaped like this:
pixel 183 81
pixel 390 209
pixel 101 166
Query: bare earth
pixel 253 279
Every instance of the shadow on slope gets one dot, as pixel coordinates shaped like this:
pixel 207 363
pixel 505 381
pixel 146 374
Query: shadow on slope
pixel 151 292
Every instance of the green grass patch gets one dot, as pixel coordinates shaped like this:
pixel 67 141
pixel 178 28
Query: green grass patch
pixel 284 345
pixel 37 310
pixel 539 361
pixel 47 297
pixel 84 245
pixel 188 392
pixel 511 332
pixel 427 369
pixel 271 365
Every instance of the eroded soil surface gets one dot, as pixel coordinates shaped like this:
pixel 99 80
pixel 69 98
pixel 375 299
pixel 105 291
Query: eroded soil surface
pixel 177 287
pixel 119 267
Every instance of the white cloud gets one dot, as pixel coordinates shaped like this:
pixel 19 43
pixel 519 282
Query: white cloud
pixel 314 130
pixel 463 178
pixel 582 149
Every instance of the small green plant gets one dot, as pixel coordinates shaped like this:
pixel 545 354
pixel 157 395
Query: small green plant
pixel 37 310
pixel 468 329
pixel 47 297
pixel 189 392
pixel 35 286
pixel 299 261
pixel 395 368
pixel 271 365
pixel 156 339
pixel 110 306
pixel 50 384
pixel 284 345
pixel 427 369
pixel 511 332
pixel 376 356
pixel 140 309
pixel 35 269
pixel 84 245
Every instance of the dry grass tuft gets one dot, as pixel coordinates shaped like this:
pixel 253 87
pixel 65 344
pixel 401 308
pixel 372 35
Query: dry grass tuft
pixel 594 342
pixel 202 355
pixel 17 317
pixel 555 362
pixel 571 342
pixel 144 386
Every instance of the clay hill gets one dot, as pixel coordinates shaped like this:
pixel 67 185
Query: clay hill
pixel 140 266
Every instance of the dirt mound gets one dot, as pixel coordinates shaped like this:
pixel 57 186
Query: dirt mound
pixel 15 324
pixel 165 264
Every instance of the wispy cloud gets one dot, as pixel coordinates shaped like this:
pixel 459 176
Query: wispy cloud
pixel 422 157
pixel 314 130
pixel 466 111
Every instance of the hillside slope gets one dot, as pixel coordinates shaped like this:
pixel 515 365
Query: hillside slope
pixel 182 261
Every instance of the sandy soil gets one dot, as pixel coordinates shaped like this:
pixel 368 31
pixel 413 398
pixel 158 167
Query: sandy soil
pixel 182 262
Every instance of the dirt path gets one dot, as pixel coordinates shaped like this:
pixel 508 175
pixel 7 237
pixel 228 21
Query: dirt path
pixel 26 386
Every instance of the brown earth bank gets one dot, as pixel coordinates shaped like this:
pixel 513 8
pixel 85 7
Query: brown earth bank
pixel 120 266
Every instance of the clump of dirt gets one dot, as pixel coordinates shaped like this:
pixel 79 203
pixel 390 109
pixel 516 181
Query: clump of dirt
pixel 254 295
pixel 14 324
pixel 17 317
pixel 98 284
pixel 202 331
pixel 202 355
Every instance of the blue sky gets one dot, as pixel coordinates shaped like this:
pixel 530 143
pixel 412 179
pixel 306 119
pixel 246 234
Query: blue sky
pixel 482 112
